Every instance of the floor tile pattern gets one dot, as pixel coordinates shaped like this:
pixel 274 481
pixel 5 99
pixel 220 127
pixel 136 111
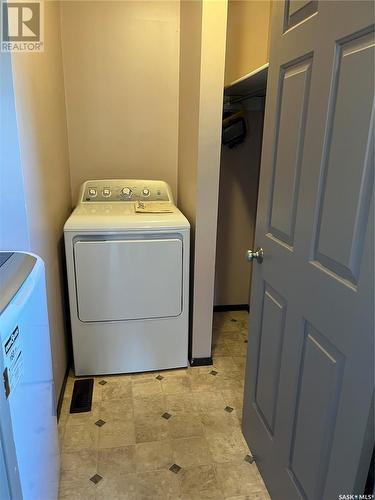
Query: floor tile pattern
pixel 170 435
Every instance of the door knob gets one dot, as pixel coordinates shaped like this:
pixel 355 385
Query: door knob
pixel 257 255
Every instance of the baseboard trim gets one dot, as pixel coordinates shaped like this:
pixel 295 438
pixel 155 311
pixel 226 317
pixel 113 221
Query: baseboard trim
pixel 61 397
pixel 233 307
pixel 201 361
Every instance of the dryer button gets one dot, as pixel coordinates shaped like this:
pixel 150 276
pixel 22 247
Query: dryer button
pixel 126 192
pixel 106 192
pixel 93 192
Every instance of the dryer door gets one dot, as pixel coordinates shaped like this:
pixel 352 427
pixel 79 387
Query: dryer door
pixel 128 279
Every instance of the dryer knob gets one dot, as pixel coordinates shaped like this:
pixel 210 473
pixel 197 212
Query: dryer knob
pixel 127 192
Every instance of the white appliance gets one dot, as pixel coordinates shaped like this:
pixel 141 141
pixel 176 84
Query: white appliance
pixel 128 278
pixel 29 454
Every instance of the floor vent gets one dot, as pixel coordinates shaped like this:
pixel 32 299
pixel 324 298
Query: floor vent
pixel 82 395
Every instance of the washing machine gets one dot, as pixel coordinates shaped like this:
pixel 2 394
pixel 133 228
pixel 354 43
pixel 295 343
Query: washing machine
pixel 127 258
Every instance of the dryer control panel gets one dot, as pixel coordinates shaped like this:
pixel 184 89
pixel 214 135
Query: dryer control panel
pixel 122 190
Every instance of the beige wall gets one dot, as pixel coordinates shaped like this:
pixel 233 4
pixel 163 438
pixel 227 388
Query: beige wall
pixel 239 178
pixel 121 79
pixel 40 107
pixel 200 168
pixel 189 91
pixel 247 37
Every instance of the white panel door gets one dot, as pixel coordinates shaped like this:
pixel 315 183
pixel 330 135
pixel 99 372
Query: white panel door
pixel 128 279
pixel 309 377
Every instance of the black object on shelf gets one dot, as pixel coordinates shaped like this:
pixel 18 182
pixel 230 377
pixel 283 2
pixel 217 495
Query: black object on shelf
pixel 234 129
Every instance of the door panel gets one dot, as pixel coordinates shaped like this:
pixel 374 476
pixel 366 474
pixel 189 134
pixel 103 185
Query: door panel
pixel 271 341
pixel 294 92
pixel 297 11
pixel 345 192
pixel 320 376
pixel 128 279
pixel 308 390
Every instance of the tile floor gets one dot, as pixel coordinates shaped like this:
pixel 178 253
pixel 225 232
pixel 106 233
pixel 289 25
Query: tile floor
pixel 164 435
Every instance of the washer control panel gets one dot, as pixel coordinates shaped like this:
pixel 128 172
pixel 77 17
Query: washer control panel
pixel 125 190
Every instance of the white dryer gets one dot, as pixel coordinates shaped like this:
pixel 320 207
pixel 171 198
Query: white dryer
pixel 127 255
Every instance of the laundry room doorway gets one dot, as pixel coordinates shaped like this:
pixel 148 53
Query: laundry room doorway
pixel 242 132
